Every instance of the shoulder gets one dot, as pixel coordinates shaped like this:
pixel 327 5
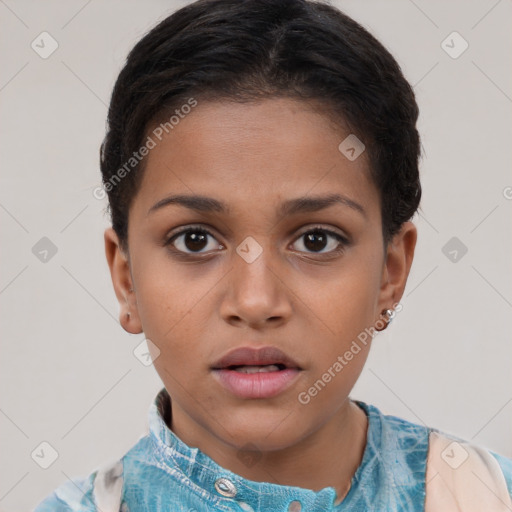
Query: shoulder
pixel 464 475
pixel 72 496
pixel 446 471
pixel 101 490
pixel 506 467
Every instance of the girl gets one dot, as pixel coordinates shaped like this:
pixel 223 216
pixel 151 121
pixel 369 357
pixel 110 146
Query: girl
pixel 261 166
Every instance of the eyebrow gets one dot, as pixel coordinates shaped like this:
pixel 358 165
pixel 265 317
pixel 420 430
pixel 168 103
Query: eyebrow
pixel 290 207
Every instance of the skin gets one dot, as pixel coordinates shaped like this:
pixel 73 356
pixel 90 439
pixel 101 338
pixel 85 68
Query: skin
pixel 309 301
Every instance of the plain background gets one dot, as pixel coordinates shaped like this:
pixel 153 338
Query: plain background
pixel 68 373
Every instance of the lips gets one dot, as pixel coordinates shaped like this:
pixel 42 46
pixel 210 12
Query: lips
pixel 250 357
pixel 249 374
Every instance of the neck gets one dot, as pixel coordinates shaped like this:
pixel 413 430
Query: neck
pixel 328 457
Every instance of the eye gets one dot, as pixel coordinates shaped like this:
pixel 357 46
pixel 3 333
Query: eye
pixel 193 239
pixel 317 239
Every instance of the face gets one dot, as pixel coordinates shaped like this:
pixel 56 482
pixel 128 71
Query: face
pixel 241 270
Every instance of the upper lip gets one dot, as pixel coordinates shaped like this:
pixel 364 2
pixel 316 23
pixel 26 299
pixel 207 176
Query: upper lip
pixel 254 357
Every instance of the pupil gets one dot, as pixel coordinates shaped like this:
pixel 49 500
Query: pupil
pixel 195 240
pixel 313 237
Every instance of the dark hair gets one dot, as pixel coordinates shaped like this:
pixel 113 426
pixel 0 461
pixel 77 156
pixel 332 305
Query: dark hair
pixel 246 50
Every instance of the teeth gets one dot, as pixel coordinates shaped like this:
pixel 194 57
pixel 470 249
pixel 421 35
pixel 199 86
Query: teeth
pixel 258 369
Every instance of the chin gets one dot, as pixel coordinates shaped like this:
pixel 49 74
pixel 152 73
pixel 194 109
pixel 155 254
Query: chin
pixel 276 430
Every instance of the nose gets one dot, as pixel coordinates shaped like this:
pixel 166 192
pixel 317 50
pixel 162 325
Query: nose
pixel 258 292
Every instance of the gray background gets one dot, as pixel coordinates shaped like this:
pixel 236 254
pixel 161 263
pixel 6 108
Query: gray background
pixel 68 373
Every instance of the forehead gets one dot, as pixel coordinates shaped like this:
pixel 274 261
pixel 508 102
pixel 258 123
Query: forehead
pixel 253 156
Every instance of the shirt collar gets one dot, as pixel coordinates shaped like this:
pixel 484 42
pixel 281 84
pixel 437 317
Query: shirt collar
pixel 219 485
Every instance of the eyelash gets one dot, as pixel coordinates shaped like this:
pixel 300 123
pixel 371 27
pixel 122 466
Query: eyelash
pixel 343 241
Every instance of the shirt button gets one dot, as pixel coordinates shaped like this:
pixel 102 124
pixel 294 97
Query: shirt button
pixel 225 487
pixel 294 506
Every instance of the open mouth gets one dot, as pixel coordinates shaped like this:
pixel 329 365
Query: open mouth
pixel 256 373
pixel 257 369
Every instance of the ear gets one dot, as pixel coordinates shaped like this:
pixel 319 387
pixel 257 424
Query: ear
pixel 119 265
pixel 399 256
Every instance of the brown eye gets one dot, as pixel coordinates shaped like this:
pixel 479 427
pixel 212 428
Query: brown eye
pixel 317 239
pixel 192 241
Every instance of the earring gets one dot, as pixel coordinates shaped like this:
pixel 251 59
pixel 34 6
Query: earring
pixel 128 314
pixel 390 313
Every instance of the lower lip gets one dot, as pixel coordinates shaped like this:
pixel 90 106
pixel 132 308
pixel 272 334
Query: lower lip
pixel 256 385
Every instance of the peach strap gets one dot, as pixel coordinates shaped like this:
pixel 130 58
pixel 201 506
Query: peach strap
pixel 463 477
pixel 108 487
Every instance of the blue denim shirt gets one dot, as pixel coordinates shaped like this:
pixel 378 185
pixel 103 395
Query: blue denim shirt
pixel 162 473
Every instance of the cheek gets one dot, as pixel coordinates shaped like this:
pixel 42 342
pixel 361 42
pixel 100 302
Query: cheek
pixel 169 308
pixel 346 302
pixel 175 307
